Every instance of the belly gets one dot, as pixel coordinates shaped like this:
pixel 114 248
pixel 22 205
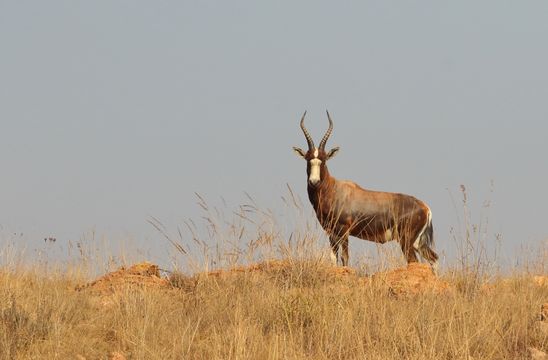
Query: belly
pixel 378 235
pixel 376 228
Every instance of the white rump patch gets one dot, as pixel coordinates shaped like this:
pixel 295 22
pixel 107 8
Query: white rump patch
pixel 314 171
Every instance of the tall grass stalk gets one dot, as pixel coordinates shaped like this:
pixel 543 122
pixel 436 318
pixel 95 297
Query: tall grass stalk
pixel 303 310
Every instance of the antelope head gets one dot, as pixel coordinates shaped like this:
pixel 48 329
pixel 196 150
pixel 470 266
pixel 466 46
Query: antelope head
pixel 316 157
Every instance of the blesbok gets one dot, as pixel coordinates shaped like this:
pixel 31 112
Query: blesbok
pixel 344 208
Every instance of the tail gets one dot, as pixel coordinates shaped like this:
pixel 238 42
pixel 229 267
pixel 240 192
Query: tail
pixel 427 236
pixel 425 243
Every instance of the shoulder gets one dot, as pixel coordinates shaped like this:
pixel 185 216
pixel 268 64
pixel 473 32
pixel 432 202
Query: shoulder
pixel 347 184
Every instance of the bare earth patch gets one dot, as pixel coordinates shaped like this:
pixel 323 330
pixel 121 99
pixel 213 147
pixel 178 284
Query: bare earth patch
pixel 414 279
pixel 410 280
pixel 281 265
pixel 142 274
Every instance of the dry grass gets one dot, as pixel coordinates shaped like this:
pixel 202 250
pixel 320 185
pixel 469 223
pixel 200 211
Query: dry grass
pixel 302 309
pixel 298 311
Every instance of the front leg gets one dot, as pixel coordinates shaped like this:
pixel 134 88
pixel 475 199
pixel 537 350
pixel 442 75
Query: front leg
pixel 344 255
pixel 334 242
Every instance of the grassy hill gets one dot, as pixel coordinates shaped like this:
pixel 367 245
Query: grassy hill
pixel 290 309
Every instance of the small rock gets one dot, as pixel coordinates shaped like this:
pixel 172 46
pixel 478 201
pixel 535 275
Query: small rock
pixel 544 312
pixel 540 280
pixel 537 354
pixel 116 355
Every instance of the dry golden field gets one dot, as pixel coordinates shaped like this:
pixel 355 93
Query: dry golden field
pixel 285 302
pixel 272 310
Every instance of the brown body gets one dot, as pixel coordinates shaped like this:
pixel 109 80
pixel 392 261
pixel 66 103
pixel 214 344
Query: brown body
pixel 345 209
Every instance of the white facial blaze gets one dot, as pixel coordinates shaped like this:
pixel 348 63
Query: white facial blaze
pixel 314 171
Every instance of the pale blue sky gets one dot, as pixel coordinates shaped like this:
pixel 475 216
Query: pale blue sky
pixel 112 111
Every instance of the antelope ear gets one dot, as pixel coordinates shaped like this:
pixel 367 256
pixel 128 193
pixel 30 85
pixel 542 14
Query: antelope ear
pixel 332 152
pixel 299 151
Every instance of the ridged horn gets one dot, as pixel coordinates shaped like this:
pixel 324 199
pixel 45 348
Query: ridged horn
pixel 306 134
pixel 327 133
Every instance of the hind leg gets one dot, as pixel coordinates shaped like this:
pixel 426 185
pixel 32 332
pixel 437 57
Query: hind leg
pixel 408 250
pixel 430 256
pixel 337 242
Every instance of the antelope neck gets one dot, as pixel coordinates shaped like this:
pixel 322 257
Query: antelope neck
pixel 323 186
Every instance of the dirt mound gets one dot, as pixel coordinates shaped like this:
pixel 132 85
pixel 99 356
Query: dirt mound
pixel 414 279
pixel 143 274
pixel 269 265
pixel 282 265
